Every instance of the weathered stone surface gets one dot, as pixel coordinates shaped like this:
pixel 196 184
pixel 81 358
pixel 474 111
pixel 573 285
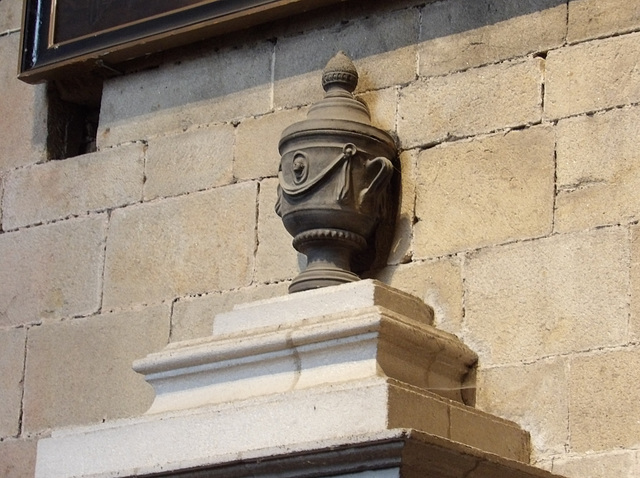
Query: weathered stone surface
pixel 51 271
pixel 88 183
pixel 598 170
pixel 634 325
pixel 276 259
pixel 79 371
pixel 487 191
pixel 188 162
pixel 219 87
pixel 193 317
pixel 459 34
pixel 570 88
pixel 438 283
pixel 24 119
pixel 256 154
pixel 17 458
pixel 188 245
pixel 382 106
pixel 602 465
pixel 10 16
pixel 470 426
pixel 12 345
pixel 382 48
pixel 532 395
pixel 556 295
pixel 597 18
pixel 604 396
pixel 475 101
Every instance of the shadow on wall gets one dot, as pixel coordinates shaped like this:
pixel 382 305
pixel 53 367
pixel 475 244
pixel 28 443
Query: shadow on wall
pixel 226 81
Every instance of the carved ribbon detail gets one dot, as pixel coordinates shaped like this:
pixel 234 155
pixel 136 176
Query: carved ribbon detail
pixel 348 151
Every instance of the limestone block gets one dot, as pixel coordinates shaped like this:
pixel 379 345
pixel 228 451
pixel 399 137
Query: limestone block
pixel 472 102
pixel 79 371
pixel 557 295
pixel 570 88
pixel 192 244
pixel 10 16
pixel 485 191
pixel 604 396
pixel 51 271
pixel 276 259
pixel 535 396
pixel 634 324
pixel 612 464
pixel 598 170
pixel 382 105
pixel 438 283
pixel 88 183
pixel 188 162
pixel 12 345
pixel 458 34
pixel 256 154
pixel 194 316
pixel 1 199
pixel 598 18
pixel 17 458
pixel 198 90
pixel 24 131
pixel 382 47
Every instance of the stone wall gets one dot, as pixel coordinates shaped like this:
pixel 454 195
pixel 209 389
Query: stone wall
pixel 518 124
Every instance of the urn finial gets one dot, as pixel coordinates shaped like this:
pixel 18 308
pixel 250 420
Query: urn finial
pixel 340 73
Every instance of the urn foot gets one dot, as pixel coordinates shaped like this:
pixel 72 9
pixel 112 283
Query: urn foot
pixel 329 253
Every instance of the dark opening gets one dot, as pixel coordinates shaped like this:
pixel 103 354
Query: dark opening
pixel 72 121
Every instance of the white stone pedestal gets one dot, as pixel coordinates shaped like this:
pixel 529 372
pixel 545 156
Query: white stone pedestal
pixel 329 375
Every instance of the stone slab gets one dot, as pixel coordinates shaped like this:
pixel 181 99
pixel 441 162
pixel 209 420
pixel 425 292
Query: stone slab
pixel 183 245
pixel 458 34
pixel 486 191
pixel 75 186
pixel 235 431
pixel 188 162
pixel 12 347
pixel 598 172
pixel 79 371
pixel 475 101
pixel 18 458
pixel 197 90
pixel 51 271
pixel 571 89
pixel 284 311
pixel 562 294
pixel 24 131
pixel 596 18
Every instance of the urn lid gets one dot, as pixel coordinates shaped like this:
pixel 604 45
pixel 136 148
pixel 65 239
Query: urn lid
pixel 338 111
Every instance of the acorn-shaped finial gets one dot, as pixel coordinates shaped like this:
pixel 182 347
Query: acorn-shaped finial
pixel 340 73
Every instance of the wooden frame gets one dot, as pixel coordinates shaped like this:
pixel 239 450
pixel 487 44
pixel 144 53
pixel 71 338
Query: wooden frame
pixel 68 37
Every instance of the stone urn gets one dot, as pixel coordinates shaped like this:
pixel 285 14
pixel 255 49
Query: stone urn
pixel 336 196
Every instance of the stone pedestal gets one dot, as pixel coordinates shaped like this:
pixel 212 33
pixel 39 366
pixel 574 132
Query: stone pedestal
pixel 325 382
